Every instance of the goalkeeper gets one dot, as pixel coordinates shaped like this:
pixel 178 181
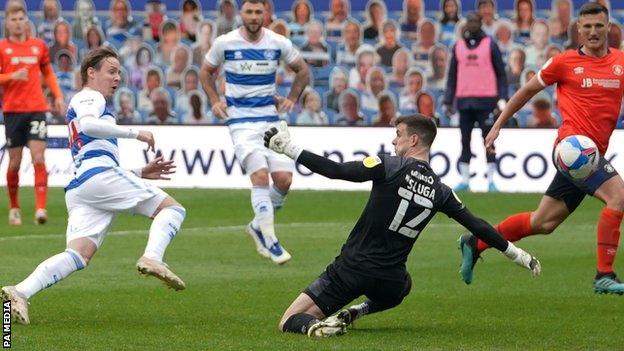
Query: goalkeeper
pixel 406 194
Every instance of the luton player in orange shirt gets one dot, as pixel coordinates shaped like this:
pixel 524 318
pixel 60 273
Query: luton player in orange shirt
pixel 24 61
pixel 590 84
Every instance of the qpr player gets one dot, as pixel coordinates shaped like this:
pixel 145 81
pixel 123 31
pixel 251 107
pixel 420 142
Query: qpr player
pixel 101 189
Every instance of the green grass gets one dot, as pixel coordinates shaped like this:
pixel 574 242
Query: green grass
pixel 234 298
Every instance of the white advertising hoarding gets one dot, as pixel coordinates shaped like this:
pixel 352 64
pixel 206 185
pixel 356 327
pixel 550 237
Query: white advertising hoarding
pixel 205 157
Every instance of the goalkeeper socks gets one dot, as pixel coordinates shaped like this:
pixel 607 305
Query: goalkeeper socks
pixel 13 187
pixel 513 228
pixel 41 185
pixel 608 237
pixel 299 323
pixel 464 172
pixel 277 197
pixel 164 228
pixel 51 271
pixel 263 209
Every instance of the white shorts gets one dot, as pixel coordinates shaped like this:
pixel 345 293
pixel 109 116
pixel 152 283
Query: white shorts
pixel 94 204
pixel 248 139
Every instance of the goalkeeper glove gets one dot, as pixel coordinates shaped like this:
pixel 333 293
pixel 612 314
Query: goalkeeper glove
pixel 524 259
pixel 278 140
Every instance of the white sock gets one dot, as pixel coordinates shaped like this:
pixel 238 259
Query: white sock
pixel 491 168
pixel 164 228
pixel 277 197
pixel 51 271
pixel 464 172
pixel 263 209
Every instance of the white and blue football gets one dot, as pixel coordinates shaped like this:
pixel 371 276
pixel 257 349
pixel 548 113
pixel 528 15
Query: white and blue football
pixel 576 156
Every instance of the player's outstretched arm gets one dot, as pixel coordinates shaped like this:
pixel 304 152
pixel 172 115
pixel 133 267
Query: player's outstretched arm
pixel 484 231
pixel 278 140
pixel 519 99
pixel 157 168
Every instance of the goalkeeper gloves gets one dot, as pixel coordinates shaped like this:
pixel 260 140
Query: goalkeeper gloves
pixel 524 259
pixel 278 140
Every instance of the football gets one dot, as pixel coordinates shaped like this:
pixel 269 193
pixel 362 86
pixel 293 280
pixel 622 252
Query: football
pixel 576 156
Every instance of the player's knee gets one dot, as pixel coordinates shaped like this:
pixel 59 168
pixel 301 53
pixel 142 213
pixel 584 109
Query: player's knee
pixel 260 178
pixel 545 227
pixel 616 202
pixel 283 183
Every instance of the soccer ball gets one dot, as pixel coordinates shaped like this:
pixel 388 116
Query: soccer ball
pixel 577 156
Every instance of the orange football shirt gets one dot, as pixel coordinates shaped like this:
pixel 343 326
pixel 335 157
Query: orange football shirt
pixel 24 96
pixel 589 93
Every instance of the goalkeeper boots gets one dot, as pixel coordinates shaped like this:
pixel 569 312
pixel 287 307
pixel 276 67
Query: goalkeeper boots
pixel 326 328
pixel 19 304
pixel 258 238
pixel 608 284
pixel 160 270
pixel 470 255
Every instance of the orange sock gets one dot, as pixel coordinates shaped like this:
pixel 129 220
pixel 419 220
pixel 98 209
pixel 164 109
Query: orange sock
pixel 608 237
pixel 513 228
pixel 13 186
pixel 41 185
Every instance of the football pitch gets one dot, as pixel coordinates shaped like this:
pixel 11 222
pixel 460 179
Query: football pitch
pixel 234 297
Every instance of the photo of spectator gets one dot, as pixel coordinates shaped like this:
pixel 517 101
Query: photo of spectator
pixel 514 68
pixel 190 18
pixel 414 83
pixel 523 20
pixel 376 13
pixel 352 35
pixel 389 43
pixel 62 40
pixel 560 19
pixel 197 111
pixel 169 39
pixel 155 12
pixel 226 18
pixel 51 10
pixel 302 14
pixel 64 71
pixel 540 38
pixel 337 84
pixel 504 38
pixel 426 105
pixel 614 38
pixel 312 114
pixel 315 50
pixel 125 107
pixel 94 38
pixel 340 10
pixel 180 60
pixel 153 79
pixel 541 116
pixel 143 60
pixel 413 13
pixel 387 110
pixel 366 57
pixel 439 58
pixel 375 84
pixel 190 82
pixel 121 24
pixel 84 18
pixel 269 16
pixel 161 112
pixel 487 10
pixel 203 42
pixel 426 40
pixel 451 10
pixel 350 114
pixel 401 61
pixel 280 27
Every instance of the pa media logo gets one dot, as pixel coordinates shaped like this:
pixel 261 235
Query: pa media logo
pixel 6 324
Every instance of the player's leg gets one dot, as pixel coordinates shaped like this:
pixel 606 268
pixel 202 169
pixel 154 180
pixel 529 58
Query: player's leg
pixel 16 129
pixel 168 216
pixel 485 123
pixel 609 188
pixel 280 187
pixel 262 227
pixel 86 229
pixel 381 295
pixel 332 290
pixel 12 176
pixel 37 151
pixel 466 122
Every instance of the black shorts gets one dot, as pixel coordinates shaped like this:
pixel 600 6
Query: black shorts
pixel 20 127
pixel 573 191
pixel 338 286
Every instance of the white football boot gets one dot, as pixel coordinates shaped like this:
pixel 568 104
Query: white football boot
pixel 160 270
pixel 19 304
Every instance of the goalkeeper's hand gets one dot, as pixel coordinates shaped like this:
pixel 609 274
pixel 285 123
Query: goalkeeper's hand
pixel 278 140
pixel 524 259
